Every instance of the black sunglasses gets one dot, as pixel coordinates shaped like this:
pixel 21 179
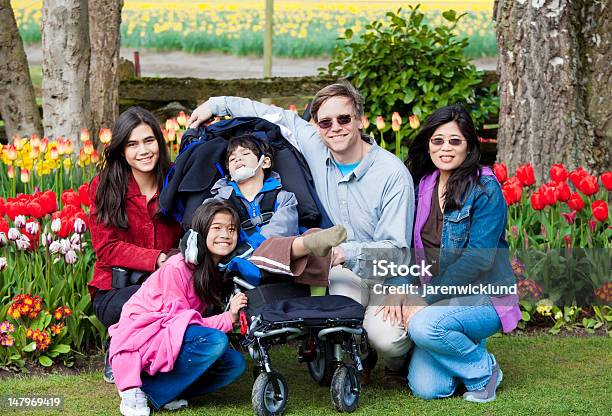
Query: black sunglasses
pixel 342 119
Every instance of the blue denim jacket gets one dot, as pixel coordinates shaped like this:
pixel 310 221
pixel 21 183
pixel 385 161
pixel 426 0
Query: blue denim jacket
pixel 473 244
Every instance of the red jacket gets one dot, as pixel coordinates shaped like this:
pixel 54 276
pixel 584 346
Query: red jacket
pixel 136 248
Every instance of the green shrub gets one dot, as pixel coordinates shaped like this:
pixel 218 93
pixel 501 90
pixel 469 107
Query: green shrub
pixel 404 65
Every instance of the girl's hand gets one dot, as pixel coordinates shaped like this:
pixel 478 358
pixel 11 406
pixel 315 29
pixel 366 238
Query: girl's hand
pixel 237 302
pixel 161 259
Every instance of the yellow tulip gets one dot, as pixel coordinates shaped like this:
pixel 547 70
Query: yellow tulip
pixel 396 121
pixel 84 135
pixel 414 121
pixel 10 172
pixel 380 122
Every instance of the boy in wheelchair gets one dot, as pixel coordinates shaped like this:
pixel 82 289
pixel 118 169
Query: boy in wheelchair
pixel 266 210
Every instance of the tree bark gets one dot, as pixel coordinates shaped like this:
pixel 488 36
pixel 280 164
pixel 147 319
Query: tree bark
pixel 17 101
pixel 65 87
pixel 555 87
pixel 104 37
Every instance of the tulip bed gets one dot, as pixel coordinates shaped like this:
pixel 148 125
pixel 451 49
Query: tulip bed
pixel 46 257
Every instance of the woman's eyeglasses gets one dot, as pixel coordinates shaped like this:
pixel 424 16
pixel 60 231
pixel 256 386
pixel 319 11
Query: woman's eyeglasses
pixel 439 141
pixel 342 119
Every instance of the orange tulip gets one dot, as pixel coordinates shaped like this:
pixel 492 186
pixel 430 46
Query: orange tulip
pixel 170 135
pixel 95 157
pixel 84 135
pixel 25 175
pixel 380 122
pixel 11 153
pixel 69 146
pixel 181 119
pixel 105 135
pixel 414 122
pixel 88 147
pixel 396 121
pixel 365 121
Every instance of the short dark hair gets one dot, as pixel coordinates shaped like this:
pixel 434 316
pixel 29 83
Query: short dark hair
pixel 342 88
pixel 255 145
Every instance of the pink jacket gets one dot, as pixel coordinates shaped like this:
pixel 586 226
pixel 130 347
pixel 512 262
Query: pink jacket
pixel 153 322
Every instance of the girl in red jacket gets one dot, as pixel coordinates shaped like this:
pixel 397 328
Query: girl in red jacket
pixel 126 230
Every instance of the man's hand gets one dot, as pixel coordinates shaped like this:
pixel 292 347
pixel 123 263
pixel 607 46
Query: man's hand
pixel 392 308
pixel 338 256
pixel 199 115
pixel 237 302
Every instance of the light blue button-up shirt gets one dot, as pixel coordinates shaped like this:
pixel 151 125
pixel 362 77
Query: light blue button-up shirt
pixel 375 202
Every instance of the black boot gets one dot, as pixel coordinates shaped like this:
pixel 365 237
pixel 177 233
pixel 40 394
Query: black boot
pixel 107 374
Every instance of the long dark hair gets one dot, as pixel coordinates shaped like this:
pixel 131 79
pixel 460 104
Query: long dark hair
pixel 466 175
pixel 115 174
pixel 208 281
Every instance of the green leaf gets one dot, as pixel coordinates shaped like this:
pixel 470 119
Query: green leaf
pixel 61 348
pixel 30 347
pixel 348 33
pixel 45 361
pixel 450 15
pixel 525 316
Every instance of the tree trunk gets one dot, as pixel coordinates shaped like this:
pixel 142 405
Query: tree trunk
pixel 17 101
pixel 554 87
pixel 65 87
pixel 104 37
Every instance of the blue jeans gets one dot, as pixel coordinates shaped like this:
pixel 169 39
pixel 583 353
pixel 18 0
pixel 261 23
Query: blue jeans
pixel 204 364
pixel 450 347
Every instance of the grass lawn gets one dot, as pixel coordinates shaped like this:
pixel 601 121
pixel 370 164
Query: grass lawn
pixel 543 375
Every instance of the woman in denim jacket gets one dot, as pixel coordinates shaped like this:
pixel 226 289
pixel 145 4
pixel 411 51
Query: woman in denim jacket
pixel 461 217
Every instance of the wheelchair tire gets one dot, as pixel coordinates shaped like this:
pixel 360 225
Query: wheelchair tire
pixel 321 369
pixel 265 401
pixel 345 398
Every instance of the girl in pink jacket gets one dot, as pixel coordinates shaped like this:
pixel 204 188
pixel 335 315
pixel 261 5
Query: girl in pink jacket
pixel 170 341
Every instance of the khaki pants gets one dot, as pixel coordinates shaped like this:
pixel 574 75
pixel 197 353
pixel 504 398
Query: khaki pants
pixel 390 341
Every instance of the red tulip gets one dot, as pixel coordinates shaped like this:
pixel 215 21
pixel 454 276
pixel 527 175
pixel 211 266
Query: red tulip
pixel 568 241
pixel 35 209
pixel 588 185
pixel 577 175
pixel 501 172
pixel 569 217
pixel 600 210
pixel 4 226
pixel 575 202
pixel 558 173
pixel 2 208
pixel 525 174
pixel 512 193
pixel 606 180
pixel 71 197
pixel 563 192
pixel 84 194
pixel 593 225
pixel 549 194
pixel 49 201
pixel 537 201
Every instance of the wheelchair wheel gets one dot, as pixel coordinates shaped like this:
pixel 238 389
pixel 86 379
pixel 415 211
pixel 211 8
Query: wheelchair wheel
pixel 267 402
pixel 345 389
pixel 321 369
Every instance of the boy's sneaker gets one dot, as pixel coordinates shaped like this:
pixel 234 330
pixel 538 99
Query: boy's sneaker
pixel 175 404
pixel 487 394
pixel 134 403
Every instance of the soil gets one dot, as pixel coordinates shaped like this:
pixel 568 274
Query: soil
pixel 82 364
pixel 221 66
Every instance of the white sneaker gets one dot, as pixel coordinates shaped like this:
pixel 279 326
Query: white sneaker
pixel 134 403
pixel 175 404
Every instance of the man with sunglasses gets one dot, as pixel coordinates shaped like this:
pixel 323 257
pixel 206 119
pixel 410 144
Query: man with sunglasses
pixel 361 186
